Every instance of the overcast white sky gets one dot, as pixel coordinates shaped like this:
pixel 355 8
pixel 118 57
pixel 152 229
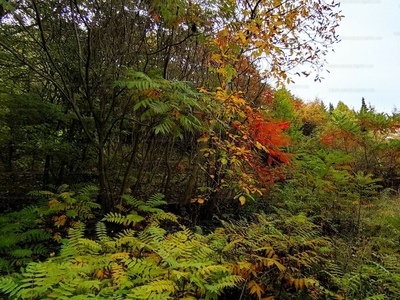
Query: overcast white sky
pixel 366 63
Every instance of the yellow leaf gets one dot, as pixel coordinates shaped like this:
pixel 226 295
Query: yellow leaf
pixel 242 37
pixel 198 200
pixel 53 202
pixel 277 3
pixel 296 284
pixel 202 139
pixel 120 255
pixel 242 200
pixel 258 145
pixel 57 236
pixel 255 288
pixel 280 266
pixel 301 283
pixel 100 274
pixel 59 221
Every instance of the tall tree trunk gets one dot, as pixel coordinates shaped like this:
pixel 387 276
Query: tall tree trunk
pixel 185 200
pixel 46 172
pixel 129 167
pixel 106 194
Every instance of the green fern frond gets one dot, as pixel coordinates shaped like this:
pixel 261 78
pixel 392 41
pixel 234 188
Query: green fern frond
pixel 92 246
pixel 64 291
pixel 213 269
pixel 76 233
pixel 147 208
pixel 34 277
pixel 44 194
pixel 392 263
pixel 19 253
pixel 137 81
pixel 7 242
pixel 377 297
pixel 9 286
pixel 72 247
pixel 35 235
pixel 143 271
pixel 152 234
pixel 160 287
pixel 89 190
pixel 228 282
pixel 190 123
pixel 156 200
pixel 5 266
pixel 118 218
pixel 120 276
pixel 126 233
pixel 101 231
pixel 333 269
pixel 130 200
pixel 159 107
pixel 156 219
pixel 130 241
pixel 68 251
pixel 165 126
pixel 145 103
pixel 39 249
pixel 30 210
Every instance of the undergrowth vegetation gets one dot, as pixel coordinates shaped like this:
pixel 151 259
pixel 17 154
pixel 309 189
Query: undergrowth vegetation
pixel 144 252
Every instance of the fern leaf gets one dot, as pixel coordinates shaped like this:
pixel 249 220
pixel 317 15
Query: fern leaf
pixel 159 107
pixel 8 285
pixel 35 235
pixel 18 253
pixel 164 127
pixel 137 81
pixel 190 123
pixel 145 103
pixel 152 233
pixel 101 232
pixel 157 218
pixel 228 282
pixel 130 200
pixel 165 287
pixel 45 194
pixel 133 217
pixel 156 200
pixel 377 297
pixel 92 246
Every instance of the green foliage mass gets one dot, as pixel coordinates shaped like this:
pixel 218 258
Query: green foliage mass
pixel 144 252
pixel 21 239
pixel 147 264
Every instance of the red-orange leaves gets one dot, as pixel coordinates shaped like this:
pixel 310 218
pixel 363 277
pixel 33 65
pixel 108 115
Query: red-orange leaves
pixel 284 125
pixel 264 155
pixel 269 134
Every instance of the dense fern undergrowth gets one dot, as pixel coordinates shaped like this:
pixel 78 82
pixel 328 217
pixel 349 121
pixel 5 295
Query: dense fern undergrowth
pixel 63 248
